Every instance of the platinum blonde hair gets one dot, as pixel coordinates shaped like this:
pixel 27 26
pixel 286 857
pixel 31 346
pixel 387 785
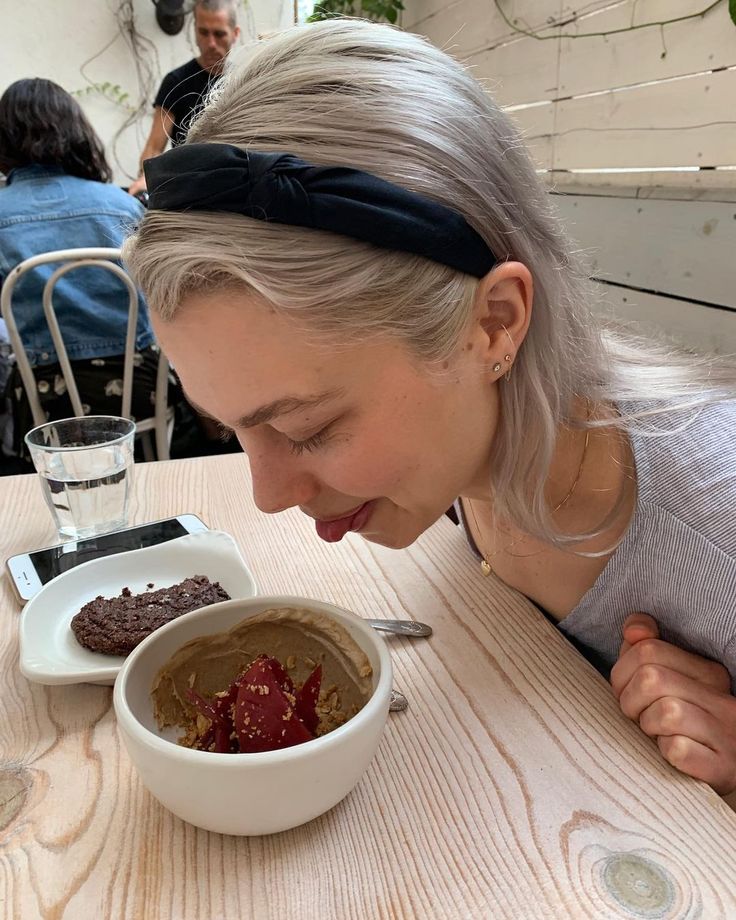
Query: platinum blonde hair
pixel 358 94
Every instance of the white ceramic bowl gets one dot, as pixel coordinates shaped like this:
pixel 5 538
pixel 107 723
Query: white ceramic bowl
pixel 247 794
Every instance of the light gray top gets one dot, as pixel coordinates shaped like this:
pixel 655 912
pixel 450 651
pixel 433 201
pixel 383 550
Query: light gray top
pixel 677 560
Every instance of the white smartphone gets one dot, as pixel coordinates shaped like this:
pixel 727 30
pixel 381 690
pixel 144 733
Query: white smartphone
pixel 29 572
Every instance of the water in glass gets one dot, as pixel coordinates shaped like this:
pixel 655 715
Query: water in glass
pixel 85 466
pixel 83 501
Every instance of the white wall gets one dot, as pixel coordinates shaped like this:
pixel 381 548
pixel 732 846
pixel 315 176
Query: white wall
pixel 635 133
pixel 55 39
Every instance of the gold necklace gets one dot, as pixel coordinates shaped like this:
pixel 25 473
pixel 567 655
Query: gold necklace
pixel 485 565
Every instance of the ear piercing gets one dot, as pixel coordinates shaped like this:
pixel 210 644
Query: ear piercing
pixel 507 358
pixel 497 366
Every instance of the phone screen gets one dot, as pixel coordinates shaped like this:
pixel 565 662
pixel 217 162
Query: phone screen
pixel 51 562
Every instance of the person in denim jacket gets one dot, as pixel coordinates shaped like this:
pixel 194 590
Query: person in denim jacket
pixel 58 196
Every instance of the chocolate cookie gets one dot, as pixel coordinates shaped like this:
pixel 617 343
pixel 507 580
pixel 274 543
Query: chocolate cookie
pixel 114 626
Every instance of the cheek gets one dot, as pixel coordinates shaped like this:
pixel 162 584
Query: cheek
pixel 363 470
pixel 377 461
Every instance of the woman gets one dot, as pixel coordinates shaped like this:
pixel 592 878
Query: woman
pixel 408 325
pixel 58 196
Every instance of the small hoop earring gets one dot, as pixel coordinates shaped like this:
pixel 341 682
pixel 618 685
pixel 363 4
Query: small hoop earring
pixel 507 358
pixel 508 336
pixel 496 367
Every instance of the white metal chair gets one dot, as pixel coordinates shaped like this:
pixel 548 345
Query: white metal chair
pixel 161 423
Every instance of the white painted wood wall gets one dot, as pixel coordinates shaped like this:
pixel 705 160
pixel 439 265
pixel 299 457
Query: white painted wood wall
pixel 635 132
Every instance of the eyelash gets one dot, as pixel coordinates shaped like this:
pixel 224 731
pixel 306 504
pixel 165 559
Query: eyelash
pixel 308 444
pixel 296 447
pixel 224 432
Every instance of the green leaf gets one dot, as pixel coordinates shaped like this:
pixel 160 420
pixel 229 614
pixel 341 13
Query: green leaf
pixel 732 10
pixel 372 9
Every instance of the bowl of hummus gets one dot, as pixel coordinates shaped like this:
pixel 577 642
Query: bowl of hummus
pixel 254 716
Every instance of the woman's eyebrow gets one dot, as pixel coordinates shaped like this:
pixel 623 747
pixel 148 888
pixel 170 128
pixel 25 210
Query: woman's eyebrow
pixel 278 407
pixel 284 406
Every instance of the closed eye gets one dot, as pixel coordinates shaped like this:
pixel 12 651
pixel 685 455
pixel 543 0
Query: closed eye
pixel 312 443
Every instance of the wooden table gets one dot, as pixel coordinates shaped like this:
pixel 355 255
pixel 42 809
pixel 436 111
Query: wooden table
pixel 512 787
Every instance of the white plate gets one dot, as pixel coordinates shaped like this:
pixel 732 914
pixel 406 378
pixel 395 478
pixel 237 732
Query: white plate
pixel 49 652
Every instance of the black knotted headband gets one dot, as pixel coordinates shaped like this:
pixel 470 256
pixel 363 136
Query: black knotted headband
pixel 282 188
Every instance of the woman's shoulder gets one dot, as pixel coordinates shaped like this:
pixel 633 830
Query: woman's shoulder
pixel 60 191
pixel 109 195
pixel 686 468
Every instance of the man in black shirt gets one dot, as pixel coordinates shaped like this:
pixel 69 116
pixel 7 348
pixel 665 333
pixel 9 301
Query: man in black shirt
pixel 182 90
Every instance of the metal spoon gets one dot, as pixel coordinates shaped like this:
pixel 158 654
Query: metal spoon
pixel 398 702
pixel 402 627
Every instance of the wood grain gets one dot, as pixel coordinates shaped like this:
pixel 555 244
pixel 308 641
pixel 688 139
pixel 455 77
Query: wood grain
pixel 511 788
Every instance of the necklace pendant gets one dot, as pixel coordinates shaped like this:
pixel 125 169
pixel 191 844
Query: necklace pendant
pixel 485 568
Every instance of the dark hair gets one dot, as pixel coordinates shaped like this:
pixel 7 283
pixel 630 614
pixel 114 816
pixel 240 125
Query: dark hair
pixel 41 123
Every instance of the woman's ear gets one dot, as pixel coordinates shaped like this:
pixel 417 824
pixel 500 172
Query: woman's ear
pixel 501 314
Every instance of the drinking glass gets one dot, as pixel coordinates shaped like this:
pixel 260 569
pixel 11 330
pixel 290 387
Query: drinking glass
pixel 86 468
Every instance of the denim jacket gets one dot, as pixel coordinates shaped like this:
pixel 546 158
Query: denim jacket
pixel 43 209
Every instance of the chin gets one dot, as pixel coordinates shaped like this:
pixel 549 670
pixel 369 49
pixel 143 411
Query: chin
pixel 392 540
pixel 387 540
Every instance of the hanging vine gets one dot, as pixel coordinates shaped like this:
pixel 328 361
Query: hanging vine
pixel 529 33
pixel 144 56
pixel 110 91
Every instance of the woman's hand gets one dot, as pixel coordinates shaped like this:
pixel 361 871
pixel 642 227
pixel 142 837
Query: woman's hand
pixel 681 699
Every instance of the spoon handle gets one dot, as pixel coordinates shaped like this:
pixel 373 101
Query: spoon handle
pixel 402 627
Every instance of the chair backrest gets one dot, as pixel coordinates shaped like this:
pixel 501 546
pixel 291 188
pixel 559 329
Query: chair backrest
pixel 70 259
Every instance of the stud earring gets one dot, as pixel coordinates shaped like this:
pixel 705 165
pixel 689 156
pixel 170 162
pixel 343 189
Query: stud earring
pixel 496 367
pixel 507 359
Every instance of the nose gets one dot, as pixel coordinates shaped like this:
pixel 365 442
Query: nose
pixel 280 480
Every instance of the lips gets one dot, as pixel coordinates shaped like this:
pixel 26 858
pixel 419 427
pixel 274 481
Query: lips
pixel 334 530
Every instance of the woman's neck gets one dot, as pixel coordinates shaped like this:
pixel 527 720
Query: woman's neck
pixel 591 488
pixel 591 473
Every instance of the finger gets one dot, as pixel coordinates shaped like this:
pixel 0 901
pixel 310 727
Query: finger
pixel 698 761
pixel 636 627
pixel 670 715
pixel 664 654
pixel 652 682
pixel 639 626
